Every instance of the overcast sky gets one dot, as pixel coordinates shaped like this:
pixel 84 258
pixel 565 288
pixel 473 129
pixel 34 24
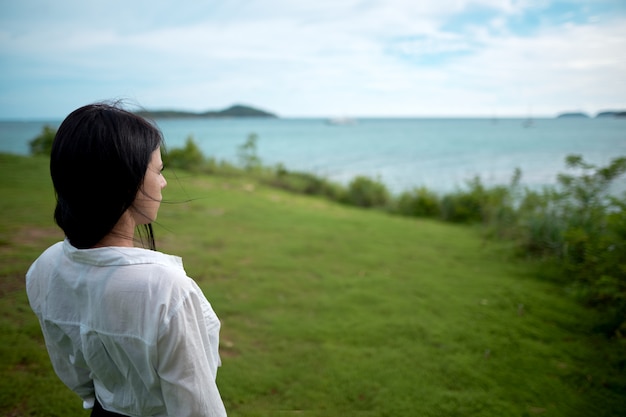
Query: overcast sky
pixel 315 57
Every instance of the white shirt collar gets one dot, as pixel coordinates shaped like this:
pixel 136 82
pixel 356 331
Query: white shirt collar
pixel 118 255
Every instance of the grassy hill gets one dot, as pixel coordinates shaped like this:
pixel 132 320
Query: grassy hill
pixel 332 311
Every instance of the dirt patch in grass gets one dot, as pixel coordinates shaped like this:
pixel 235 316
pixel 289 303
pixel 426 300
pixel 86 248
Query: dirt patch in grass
pixel 228 347
pixel 36 236
pixel 11 283
pixel 18 411
pixel 16 250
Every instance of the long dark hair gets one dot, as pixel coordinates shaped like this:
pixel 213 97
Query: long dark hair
pixel 99 158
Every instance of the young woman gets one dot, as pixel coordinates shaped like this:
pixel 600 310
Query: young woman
pixel 125 328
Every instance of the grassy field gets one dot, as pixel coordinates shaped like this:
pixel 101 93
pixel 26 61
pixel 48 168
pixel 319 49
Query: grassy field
pixel 332 311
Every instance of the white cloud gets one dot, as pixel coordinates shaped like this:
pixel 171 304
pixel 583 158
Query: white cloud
pixel 320 58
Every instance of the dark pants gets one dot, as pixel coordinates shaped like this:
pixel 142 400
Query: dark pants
pixel 98 411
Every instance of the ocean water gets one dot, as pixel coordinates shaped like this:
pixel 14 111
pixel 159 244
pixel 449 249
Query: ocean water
pixel 441 154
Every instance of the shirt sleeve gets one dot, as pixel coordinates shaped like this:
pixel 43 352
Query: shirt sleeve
pixel 70 367
pixel 66 361
pixel 187 364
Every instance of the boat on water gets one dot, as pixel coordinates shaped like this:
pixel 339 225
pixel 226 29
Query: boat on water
pixel 341 121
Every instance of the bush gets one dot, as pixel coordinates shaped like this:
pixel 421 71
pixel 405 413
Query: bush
pixel 494 207
pixel 596 237
pixel 247 153
pixel 42 144
pixel 305 183
pixel 213 166
pixel 420 202
pixel 464 206
pixel 366 192
pixel 190 157
pixel 582 227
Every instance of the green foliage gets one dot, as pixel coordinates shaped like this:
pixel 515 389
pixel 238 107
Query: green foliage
pixel 583 227
pixel 224 168
pixel 595 238
pixel 190 157
pixel 247 153
pixel 366 192
pixel 420 202
pixel 305 183
pixel 42 144
pixel 492 206
pixel 461 207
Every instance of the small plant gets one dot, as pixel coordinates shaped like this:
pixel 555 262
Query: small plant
pixel 464 206
pixel 420 202
pixel 189 157
pixel 492 206
pixel 366 192
pixel 42 144
pixel 305 183
pixel 247 153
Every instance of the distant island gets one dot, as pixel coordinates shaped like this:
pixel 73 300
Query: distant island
pixel 612 113
pixel 601 115
pixel 573 115
pixel 236 110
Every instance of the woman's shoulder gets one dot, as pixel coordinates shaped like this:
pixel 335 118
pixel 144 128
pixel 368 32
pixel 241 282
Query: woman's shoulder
pixel 133 267
pixel 48 256
pixel 160 270
pixel 52 251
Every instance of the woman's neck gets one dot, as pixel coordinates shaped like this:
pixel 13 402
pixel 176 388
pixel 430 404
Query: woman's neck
pixel 122 234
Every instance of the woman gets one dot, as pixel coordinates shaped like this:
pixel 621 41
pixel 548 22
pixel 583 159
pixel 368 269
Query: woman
pixel 125 328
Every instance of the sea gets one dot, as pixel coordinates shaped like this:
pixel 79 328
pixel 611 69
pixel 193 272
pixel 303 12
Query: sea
pixel 442 154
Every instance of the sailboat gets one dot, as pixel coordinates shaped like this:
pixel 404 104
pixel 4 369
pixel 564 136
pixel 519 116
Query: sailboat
pixel 341 121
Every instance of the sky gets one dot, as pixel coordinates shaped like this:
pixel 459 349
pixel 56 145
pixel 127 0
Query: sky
pixel 315 58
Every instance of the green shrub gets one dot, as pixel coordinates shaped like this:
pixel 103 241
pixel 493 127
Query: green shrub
pixel 190 157
pixel 305 183
pixel 42 144
pixel 596 260
pixel 493 206
pixel 594 217
pixel 542 235
pixel 464 206
pixel 582 227
pixel 221 167
pixel 247 153
pixel 366 192
pixel 420 202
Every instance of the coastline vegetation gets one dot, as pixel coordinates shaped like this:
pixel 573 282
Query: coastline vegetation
pixel 461 304
pixel 576 227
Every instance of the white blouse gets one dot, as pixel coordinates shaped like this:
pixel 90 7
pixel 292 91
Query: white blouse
pixel 126 325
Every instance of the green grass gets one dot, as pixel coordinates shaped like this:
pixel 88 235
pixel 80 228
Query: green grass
pixel 332 311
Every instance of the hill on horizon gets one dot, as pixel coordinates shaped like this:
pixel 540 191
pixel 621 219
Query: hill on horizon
pixel 237 110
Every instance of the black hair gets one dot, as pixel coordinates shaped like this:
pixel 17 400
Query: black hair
pixel 99 158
